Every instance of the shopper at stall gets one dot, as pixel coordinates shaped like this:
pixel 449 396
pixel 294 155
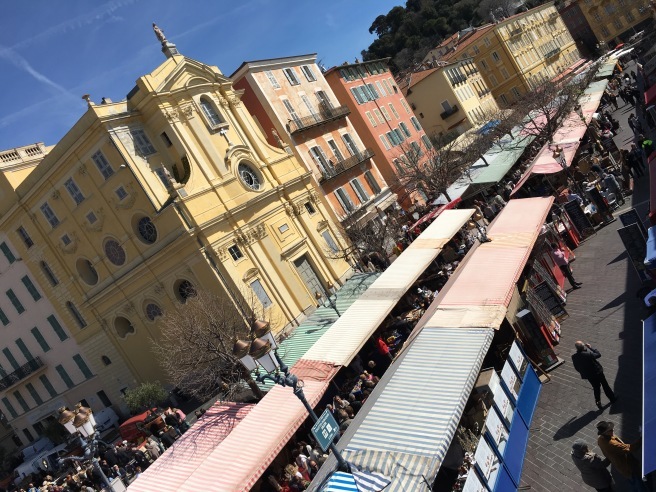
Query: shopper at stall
pixel 593 468
pixel 586 364
pixel 560 259
pixel 624 457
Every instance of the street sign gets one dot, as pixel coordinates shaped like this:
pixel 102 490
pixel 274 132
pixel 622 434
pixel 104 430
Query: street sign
pixel 325 429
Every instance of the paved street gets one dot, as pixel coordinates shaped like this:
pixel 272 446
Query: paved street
pixel 607 314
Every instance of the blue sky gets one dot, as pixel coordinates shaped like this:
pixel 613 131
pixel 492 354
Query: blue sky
pixel 53 52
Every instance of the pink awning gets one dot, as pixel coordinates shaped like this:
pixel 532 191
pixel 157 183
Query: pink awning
pixel 434 213
pixel 182 459
pixel 241 458
pixel 650 95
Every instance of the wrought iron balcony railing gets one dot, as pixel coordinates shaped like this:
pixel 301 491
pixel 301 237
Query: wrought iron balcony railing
pixel 346 164
pixel 22 372
pixel 445 114
pixel 552 53
pixel 326 114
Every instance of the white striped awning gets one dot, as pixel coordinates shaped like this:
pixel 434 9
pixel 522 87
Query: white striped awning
pixel 350 332
pixel 341 482
pixel 409 429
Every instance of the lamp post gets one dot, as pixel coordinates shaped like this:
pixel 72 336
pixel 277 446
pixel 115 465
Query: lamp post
pixel 474 224
pixel 81 422
pixel 333 292
pixel 261 352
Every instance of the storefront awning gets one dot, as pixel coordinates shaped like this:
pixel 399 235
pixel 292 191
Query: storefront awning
pixel 347 336
pixel 650 95
pixel 433 214
pixel 607 68
pixel 239 460
pixel 408 430
pixel 652 192
pixel 649 395
pixel 503 159
pixel 182 459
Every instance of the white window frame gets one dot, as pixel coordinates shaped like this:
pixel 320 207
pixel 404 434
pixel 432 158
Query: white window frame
pixel 309 74
pixel 345 200
pixel 383 139
pixel 102 164
pixel 211 114
pixel 272 79
pixel 379 116
pixel 406 106
pixel 74 191
pixel 396 115
pixel 371 119
pixel 385 113
pixel 142 143
pixel 359 190
pixel 235 253
pixel 290 73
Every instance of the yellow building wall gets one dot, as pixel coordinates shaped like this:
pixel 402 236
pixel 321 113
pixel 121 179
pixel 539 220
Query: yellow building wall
pixel 612 18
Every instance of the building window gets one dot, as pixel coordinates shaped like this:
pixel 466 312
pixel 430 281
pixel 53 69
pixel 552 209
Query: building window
pixel 405 129
pixel 307 71
pixel 3 318
pixel 319 158
pixel 371 119
pixel 415 123
pixel 385 113
pixel 10 357
pixel 416 150
pixel 350 144
pixel 28 435
pixel 405 106
pixel 7 252
pixel 24 350
pixel 396 115
pixel 386 143
pixel 235 252
pixel 515 92
pixel 74 191
pixel 86 372
pixel 147 231
pixel 75 313
pixel 336 152
pixel 48 385
pixel 495 56
pixel 272 79
pixel 290 73
pixel 14 300
pixel 91 218
pixel 10 408
pixel 25 237
pixel 629 17
pixel 597 16
pixel 344 200
pixel 104 399
pixel 373 184
pixel 47 271
pixel 605 31
pixel 290 109
pixel 427 143
pixel 31 288
pixel 186 290
pixel 310 208
pixel 21 401
pixel 33 393
pixel 66 240
pixel 40 340
pixel 381 89
pixel 379 116
pixel 330 241
pixel 166 139
pixel 504 98
pixel 57 328
pixel 359 190
pixel 49 215
pixel 106 360
pixel 121 193
pixel 64 376
pixel 261 294
pixel 210 113
pixel 102 164
pixel 153 311
pixel 483 64
pixel 114 252
pixel 617 23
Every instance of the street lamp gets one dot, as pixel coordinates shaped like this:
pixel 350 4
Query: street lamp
pixel 474 224
pixel 261 352
pixel 82 423
pixel 333 292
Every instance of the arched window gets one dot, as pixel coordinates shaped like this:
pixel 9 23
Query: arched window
pixel 123 327
pixel 76 314
pixel 185 290
pixel 153 311
pixel 47 271
pixel 86 271
pixel 211 114
pixel 106 360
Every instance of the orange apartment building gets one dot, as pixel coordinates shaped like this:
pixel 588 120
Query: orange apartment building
pixel 296 109
pixel 382 117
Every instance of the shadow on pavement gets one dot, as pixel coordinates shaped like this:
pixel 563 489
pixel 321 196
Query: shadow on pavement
pixel 571 427
pixel 621 257
pixel 618 301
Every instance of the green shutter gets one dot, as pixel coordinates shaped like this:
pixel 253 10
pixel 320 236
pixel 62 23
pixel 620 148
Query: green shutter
pixel 23 348
pixel 48 385
pixel 40 340
pixel 34 394
pixel 31 288
pixel 3 318
pixel 7 252
pixel 57 328
pixel 64 375
pixel 10 408
pixel 21 401
pixel 14 300
pixel 10 357
pixel 83 366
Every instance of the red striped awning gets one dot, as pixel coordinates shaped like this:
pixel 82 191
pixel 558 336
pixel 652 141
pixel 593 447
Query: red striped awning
pixel 652 190
pixel 180 461
pixel 241 458
pixel 650 95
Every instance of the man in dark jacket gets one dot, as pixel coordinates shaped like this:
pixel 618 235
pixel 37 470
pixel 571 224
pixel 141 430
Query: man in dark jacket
pixel 586 363
pixel 593 468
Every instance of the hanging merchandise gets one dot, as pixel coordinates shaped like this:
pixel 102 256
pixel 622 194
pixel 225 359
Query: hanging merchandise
pixel 542 312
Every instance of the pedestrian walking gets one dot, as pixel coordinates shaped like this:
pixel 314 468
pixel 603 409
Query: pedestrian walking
pixel 559 258
pixel 635 161
pixel 593 468
pixel 634 124
pixel 624 457
pixel 586 364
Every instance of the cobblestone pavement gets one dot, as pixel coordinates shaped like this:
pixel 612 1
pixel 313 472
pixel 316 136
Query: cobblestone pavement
pixel 606 313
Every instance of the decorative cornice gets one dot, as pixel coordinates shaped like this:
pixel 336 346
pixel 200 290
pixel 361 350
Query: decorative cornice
pixel 291 208
pixel 322 225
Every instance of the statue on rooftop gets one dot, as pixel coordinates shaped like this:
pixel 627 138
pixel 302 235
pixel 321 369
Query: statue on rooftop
pixel 159 33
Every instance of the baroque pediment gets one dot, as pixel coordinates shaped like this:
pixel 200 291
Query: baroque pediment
pixel 191 73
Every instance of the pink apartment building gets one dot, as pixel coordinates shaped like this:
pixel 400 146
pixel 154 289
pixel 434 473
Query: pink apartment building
pixel 382 117
pixel 294 106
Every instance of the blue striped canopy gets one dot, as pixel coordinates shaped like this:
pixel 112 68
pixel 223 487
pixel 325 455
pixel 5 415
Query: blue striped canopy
pixel 341 482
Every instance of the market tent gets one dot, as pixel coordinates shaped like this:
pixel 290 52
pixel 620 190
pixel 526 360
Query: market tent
pixel 652 191
pixel 649 395
pixel 607 68
pixel 239 460
pixel 505 157
pixel 347 336
pixel 182 459
pixel 309 331
pixel 436 212
pixel 409 429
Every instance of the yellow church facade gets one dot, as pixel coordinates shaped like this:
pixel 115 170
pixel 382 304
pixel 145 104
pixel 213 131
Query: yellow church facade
pixel 147 200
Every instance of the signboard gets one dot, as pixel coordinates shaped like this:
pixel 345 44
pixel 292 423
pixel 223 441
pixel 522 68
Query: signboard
pixel 506 408
pixel 631 217
pixel 579 219
pixel 473 483
pixel 517 358
pixel 553 302
pixel 487 461
pixel 636 248
pixel 497 431
pixel 510 378
pixel 325 429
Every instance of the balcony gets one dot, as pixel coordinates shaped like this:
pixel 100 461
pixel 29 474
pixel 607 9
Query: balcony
pixel 552 16
pixel 343 166
pixel 326 114
pixel 453 110
pixel 515 32
pixel 552 53
pixel 21 373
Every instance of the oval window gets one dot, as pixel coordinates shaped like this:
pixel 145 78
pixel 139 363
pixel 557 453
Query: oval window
pixel 153 311
pixel 86 271
pixel 249 176
pixel 185 290
pixel 114 252
pixel 123 327
pixel 146 230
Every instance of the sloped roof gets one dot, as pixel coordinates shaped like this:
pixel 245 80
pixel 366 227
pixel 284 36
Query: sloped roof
pixel 480 32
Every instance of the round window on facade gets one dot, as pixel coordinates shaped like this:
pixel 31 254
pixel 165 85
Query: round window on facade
pixel 86 271
pixel 146 230
pixel 249 176
pixel 123 327
pixel 153 311
pixel 114 252
pixel 184 290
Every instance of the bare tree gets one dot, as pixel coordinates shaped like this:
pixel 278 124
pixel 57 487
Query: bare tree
pixel 196 345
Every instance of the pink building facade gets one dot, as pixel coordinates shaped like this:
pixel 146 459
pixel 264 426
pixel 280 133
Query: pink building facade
pixel 382 117
pixel 296 108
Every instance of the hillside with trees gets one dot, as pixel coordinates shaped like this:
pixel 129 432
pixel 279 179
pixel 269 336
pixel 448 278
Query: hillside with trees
pixel 406 34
